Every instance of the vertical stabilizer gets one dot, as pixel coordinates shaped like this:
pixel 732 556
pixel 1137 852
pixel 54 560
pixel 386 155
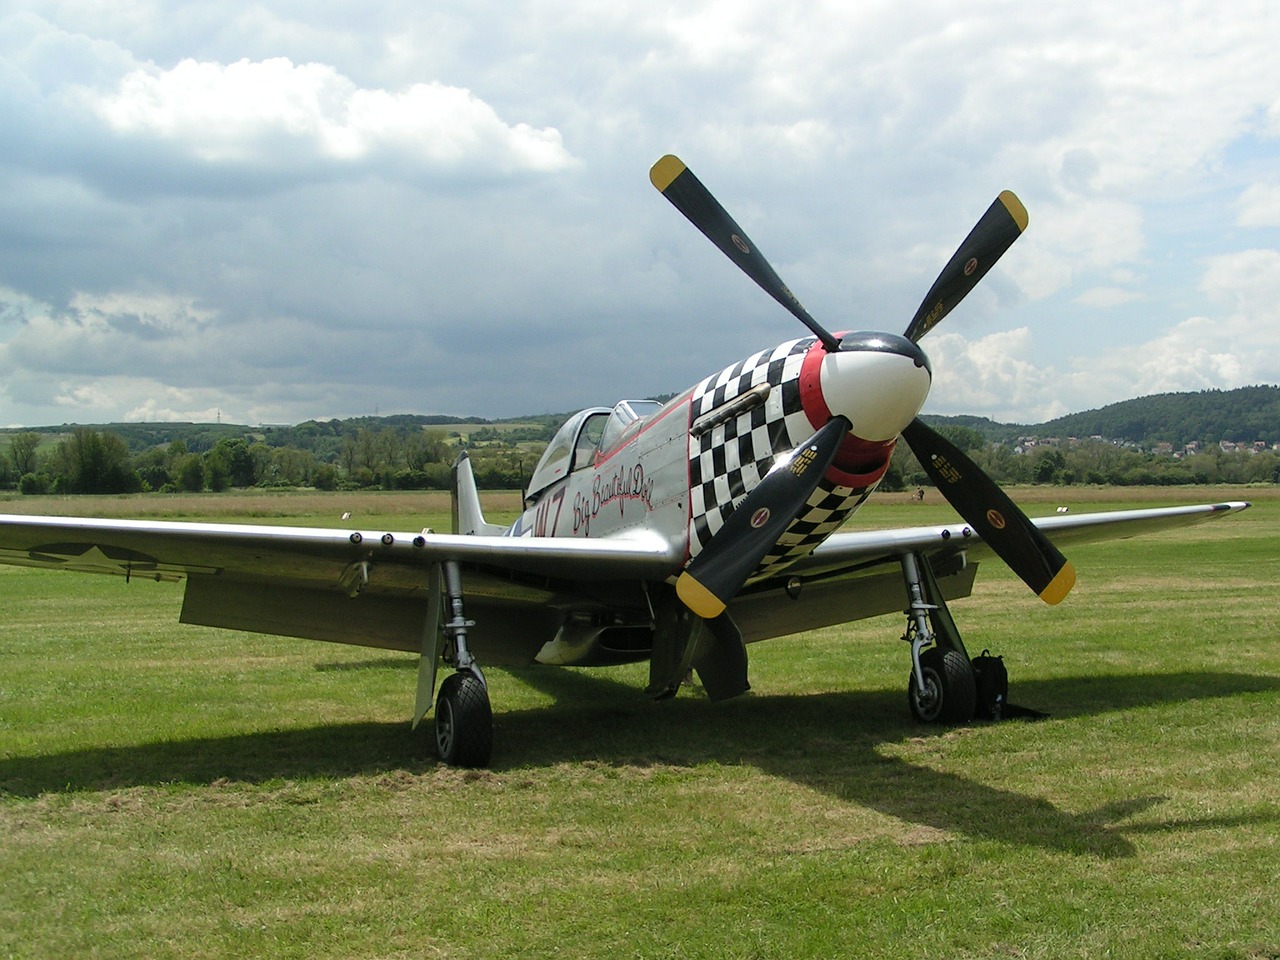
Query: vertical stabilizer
pixel 468 518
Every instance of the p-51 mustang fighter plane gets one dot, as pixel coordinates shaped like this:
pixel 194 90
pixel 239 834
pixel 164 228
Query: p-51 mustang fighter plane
pixel 675 533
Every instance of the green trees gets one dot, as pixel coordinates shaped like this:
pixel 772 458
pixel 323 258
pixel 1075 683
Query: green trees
pixel 189 473
pixel 231 464
pixel 93 462
pixel 22 452
pixel 403 454
pixel 1094 462
pixel 416 453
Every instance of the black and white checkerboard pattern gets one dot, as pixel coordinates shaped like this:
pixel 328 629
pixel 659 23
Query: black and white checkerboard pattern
pixel 727 462
pixel 828 507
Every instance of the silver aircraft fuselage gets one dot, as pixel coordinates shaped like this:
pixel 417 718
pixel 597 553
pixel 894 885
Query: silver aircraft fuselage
pixel 680 468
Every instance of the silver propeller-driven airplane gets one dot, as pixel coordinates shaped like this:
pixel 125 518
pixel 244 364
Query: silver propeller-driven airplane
pixel 675 533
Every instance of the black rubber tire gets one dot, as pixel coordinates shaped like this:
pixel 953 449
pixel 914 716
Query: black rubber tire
pixel 952 694
pixel 464 722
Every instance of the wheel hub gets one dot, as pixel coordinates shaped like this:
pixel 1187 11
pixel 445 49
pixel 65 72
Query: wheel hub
pixel 444 728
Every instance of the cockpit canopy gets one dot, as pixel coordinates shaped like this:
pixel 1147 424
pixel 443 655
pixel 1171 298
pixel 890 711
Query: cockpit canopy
pixel 575 444
pixel 624 421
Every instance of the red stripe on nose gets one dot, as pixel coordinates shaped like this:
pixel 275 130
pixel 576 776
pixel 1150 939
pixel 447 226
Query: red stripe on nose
pixel 858 462
pixel 811 398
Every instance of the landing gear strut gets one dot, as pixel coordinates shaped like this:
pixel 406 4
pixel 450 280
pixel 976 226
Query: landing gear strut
pixel 464 719
pixel 941 688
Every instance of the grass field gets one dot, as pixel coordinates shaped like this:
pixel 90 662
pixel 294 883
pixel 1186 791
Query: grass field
pixel 173 791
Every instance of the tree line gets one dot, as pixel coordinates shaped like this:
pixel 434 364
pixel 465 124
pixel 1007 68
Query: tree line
pixel 1089 462
pixel 413 458
pixel 88 460
pixel 412 452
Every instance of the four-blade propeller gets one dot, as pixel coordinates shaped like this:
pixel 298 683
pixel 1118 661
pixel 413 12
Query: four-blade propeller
pixel 712 578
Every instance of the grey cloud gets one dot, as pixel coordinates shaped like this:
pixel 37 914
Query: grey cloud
pixel 856 144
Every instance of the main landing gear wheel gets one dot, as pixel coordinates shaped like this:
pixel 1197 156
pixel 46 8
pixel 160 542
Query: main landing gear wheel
pixel 464 721
pixel 949 695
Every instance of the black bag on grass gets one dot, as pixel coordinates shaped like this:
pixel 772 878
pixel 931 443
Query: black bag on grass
pixel 992 682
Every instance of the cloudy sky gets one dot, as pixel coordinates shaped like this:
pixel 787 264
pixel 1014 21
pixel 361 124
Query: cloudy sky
pixel 280 210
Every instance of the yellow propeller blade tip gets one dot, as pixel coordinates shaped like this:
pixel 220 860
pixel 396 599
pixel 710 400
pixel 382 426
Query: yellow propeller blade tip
pixel 665 170
pixel 1060 585
pixel 1016 209
pixel 698 598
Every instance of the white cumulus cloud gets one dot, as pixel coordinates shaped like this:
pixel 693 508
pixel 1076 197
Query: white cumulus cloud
pixel 1260 206
pixel 992 376
pixel 261 112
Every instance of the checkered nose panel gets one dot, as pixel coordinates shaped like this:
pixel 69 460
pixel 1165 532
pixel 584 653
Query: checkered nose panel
pixel 727 462
pixel 828 507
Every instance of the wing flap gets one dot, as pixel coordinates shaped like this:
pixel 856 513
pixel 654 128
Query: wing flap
pixel 289 610
pixel 867 592
pixel 509 629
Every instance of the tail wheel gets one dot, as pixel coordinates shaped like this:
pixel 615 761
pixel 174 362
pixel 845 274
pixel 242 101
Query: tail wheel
pixel 949 694
pixel 464 722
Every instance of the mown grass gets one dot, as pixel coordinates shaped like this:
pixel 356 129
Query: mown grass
pixel 178 791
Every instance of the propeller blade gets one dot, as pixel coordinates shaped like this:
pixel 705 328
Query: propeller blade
pixel 715 575
pixel 992 515
pixel 677 183
pixel 1002 224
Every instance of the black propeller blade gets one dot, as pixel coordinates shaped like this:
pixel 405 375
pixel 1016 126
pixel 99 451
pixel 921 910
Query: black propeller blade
pixel 715 575
pixel 677 183
pixel 992 515
pixel 1002 224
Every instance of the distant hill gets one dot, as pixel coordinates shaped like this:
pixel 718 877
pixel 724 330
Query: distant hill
pixel 319 436
pixel 1244 415
pixel 992 430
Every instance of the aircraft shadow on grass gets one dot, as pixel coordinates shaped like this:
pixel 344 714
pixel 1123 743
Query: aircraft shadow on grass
pixel 827 742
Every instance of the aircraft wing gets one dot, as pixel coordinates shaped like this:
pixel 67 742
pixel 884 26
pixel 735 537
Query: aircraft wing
pixel 851 576
pixel 842 550
pixel 164 550
pixel 298 581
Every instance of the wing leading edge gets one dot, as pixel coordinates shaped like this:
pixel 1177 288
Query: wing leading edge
pixel 309 555
pixel 296 581
pixel 843 550
pixel 317 557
